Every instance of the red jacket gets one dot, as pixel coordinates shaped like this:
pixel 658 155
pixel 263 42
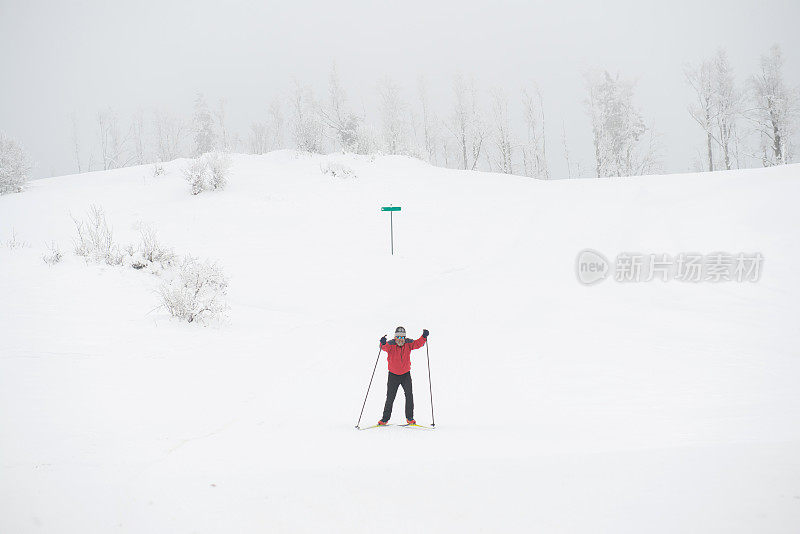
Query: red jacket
pixel 400 357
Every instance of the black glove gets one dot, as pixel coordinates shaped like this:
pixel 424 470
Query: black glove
pixel 425 333
pixel 383 340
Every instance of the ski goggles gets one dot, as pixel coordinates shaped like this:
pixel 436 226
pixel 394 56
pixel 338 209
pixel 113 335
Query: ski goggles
pixel 399 337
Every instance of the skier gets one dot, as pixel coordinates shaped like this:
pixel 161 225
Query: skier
pixel 399 358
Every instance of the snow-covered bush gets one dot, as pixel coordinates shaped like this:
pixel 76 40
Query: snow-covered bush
pixel 196 175
pixel 219 163
pixel 337 170
pixel 193 291
pixel 153 251
pixel 53 254
pixel 208 172
pixel 196 292
pixel 15 243
pixel 150 253
pixel 15 167
pixel 95 239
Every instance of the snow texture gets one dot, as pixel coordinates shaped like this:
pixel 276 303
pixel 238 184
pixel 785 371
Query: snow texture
pixel 656 407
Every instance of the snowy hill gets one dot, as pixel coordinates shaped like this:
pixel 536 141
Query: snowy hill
pixel 560 407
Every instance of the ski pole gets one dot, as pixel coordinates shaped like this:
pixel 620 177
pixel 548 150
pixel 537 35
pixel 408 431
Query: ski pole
pixel 369 386
pixel 430 386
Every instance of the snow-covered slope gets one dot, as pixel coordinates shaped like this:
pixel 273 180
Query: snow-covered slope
pixel 640 407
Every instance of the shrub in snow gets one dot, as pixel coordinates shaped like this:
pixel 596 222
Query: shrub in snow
pixel 337 170
pixel 149 253
pixel 196 176
pixel 208 172
pixel 95 239
pixel 15 167
pixel 152 251
pixel 196 292
pixel 219 163
pixel 53 254
pixel 15 243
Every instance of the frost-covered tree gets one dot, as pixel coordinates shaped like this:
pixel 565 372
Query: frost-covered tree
pixel 459 124
pixel 502 132
pixel 170 132
pixel 275 122
pixel 305 122
pixel 203 127
pixel 430 130
pixel 716 108
pixel 267 134
pixel 346 126
pixel 336 116
pixel 478 126
pixel 75 140
pixel 259 138
pixel 445 150
pixel 114 149
pixel 395 123
pixel 702 110
pixel 534 150
pixel 337 98
pixel 15 166
pixel 352 134
pixel 226 143
pixel 774 109
pixel 466 124
pixel 728 104
pixel 620 145
pixel 573 166
pixel 138 138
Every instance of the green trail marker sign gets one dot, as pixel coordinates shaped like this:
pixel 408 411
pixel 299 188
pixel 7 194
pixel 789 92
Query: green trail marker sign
pixel 391 209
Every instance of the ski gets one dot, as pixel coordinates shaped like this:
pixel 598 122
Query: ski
pixel 393 424
pixel 373 426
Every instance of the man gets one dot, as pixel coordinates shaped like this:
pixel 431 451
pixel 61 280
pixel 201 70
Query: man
pixel 399 358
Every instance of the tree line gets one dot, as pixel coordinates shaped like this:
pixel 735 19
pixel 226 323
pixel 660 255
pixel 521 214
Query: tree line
pixel 754 121
pixel 744 124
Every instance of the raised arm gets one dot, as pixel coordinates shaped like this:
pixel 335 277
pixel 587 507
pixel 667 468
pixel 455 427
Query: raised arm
pixel 421 341
pixel 384 345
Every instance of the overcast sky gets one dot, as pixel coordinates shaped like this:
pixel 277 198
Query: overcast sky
pixel 81 56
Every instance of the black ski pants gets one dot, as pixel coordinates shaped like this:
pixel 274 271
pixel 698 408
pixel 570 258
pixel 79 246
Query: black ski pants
pixel 391 390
